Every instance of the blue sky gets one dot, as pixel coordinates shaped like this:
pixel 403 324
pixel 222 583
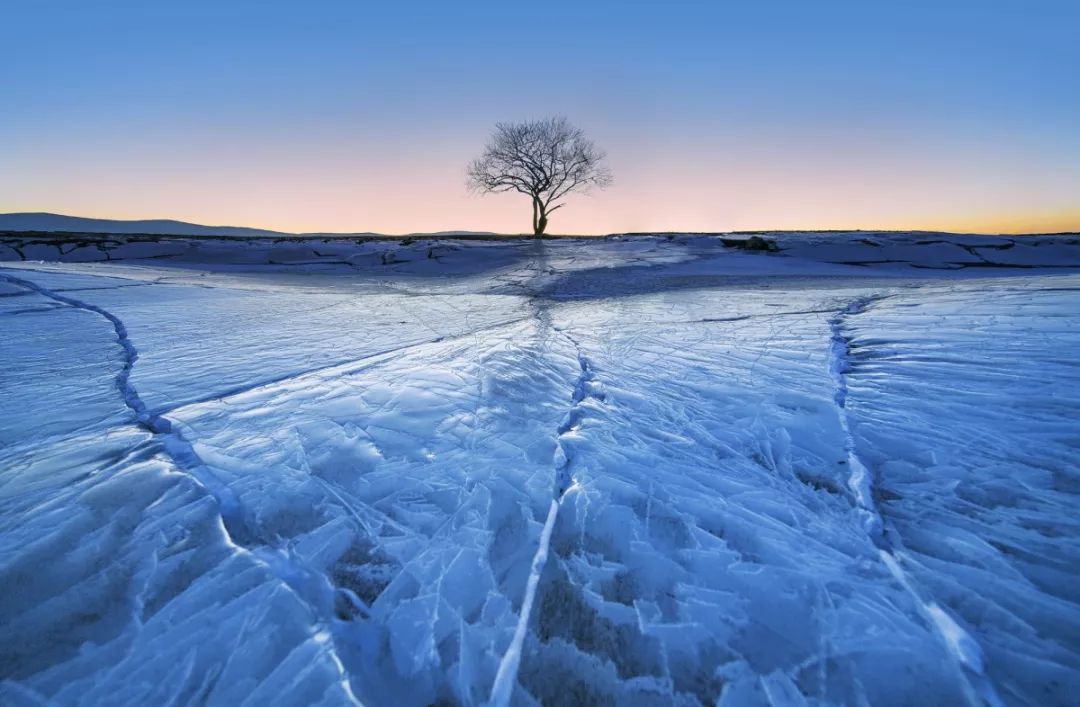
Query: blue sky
pixel 716 116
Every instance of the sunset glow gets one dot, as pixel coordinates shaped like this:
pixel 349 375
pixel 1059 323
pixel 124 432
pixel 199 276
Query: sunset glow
pixel 960 116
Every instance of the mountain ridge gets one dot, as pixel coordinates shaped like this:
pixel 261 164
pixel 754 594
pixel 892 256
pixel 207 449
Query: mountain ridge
pixel 44 221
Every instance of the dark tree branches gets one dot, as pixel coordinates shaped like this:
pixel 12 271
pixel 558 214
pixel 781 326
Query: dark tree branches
pixel 543 159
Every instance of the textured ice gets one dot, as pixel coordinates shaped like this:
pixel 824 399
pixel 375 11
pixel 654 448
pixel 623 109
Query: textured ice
pixel 642 471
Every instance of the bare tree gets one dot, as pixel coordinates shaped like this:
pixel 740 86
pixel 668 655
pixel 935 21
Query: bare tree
pixel 543 159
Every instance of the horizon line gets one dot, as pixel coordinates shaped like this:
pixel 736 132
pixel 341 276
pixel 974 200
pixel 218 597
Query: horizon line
pixel 450 232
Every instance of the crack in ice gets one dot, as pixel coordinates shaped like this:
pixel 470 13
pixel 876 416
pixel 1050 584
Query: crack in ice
pixel 859 480
pixel 585 387
pixel 960 644
pixel 181 451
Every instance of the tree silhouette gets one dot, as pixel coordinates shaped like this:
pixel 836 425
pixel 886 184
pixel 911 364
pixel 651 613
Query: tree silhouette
pixel 543 159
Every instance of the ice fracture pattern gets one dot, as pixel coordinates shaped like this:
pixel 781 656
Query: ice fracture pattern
pixel 645 471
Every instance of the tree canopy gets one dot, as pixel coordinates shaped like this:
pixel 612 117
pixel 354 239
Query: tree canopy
pixel 544 159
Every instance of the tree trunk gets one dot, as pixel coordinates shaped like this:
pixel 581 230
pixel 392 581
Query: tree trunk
pixel 539 218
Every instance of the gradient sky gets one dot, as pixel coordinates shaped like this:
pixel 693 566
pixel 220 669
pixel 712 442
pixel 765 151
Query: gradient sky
pixel 361 116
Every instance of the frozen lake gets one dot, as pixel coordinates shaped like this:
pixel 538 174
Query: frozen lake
pixel 646 471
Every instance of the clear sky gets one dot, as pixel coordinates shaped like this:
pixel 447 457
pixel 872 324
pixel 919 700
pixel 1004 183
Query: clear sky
pixel 360 116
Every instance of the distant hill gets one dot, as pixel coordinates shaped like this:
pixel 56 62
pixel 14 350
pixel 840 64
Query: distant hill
pixel 166 227
pixel 77 224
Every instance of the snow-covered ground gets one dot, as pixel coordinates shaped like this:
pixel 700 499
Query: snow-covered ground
pixel 629 471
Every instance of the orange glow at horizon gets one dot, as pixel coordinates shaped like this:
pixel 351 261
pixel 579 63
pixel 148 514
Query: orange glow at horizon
pixel 514 219
pixel 408 198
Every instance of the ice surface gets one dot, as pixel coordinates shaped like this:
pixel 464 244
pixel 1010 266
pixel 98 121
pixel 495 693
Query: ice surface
pixel 628 471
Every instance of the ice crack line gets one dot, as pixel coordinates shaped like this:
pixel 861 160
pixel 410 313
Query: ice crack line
pixel 172 440
pixel 960 644
pixel 123 378
pixel 586 387
pixel 859 479
pixel 178 448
